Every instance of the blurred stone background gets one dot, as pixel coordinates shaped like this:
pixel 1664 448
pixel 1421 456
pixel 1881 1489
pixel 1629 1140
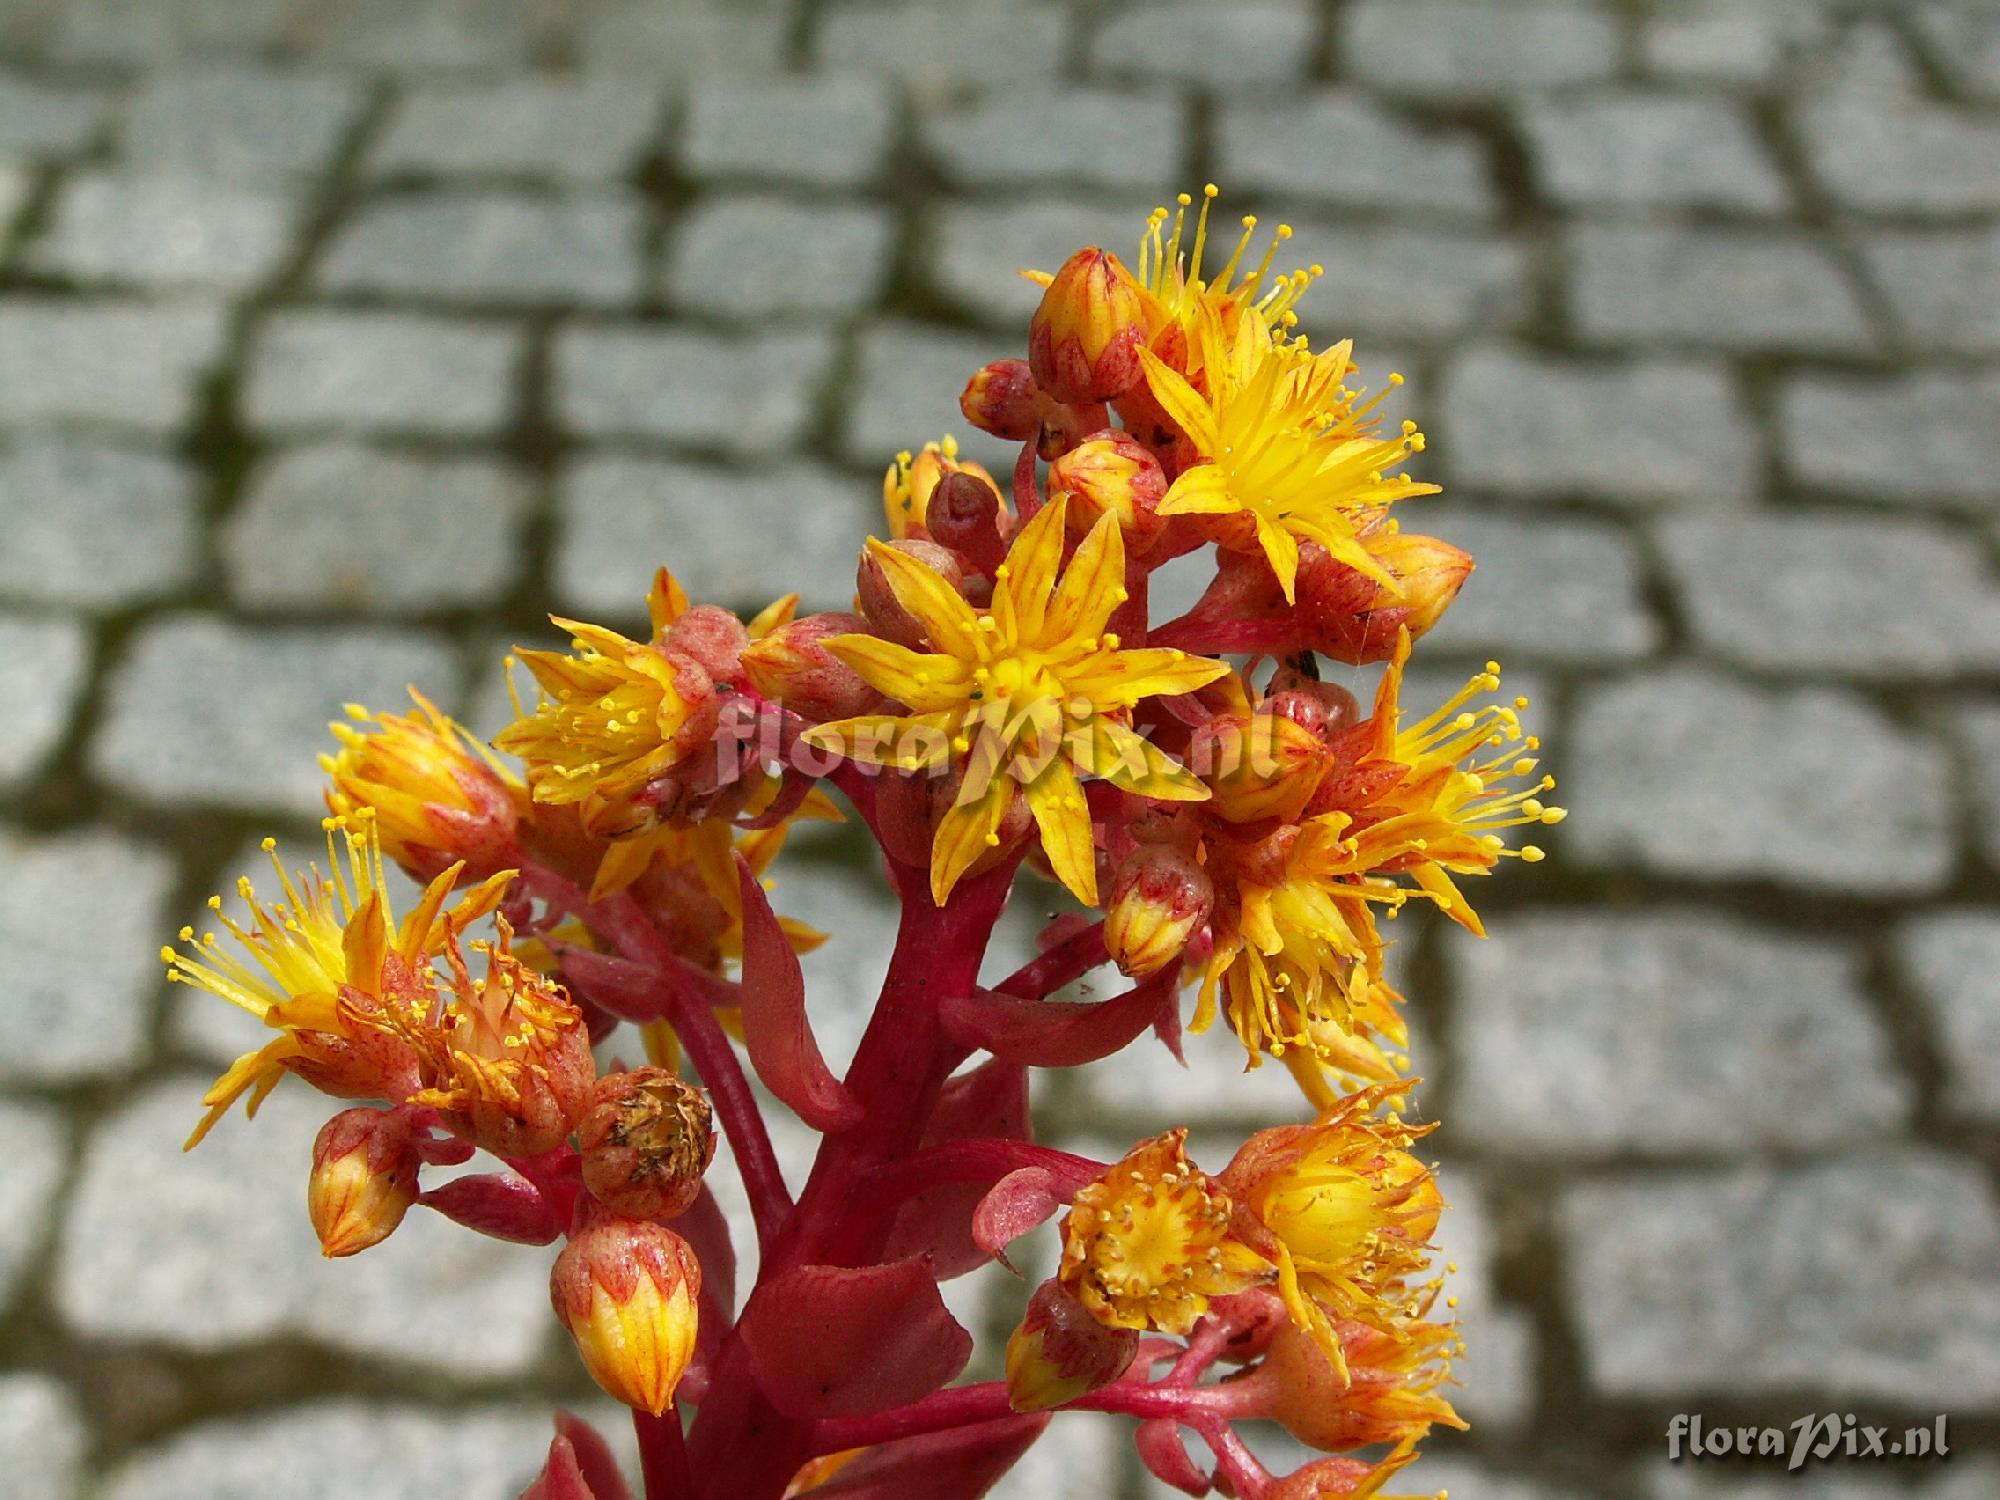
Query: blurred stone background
pixel 340 340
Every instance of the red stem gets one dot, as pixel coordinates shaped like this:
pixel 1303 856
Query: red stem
pixel 689 1008
pixel 663 1460
pixel 971 1160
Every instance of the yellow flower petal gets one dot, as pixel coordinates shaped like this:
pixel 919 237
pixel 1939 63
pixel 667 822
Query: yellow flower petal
pixel 1063 817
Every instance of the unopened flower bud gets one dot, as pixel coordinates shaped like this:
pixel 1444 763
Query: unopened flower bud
pixel 967 516
pixel 1322 708
pixel 1110 473
pixel 1083 344
pixel 908 486
pixel 626 1290
pixel 1429 574
pixel 1387 1392
pixel 1263 766
pixel 1159 900
pixel 884 610
pixel 364 1179
pixel 645 1142
pixel 1347 615
pixel 1003 399
pixel 712 637
pixel 1334 1478
pixel 1061 1352
pixel 791 668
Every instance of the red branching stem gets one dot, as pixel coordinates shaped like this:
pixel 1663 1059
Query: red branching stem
pixel 1234 1461
pixel 1211 1336
pixel 1027 492
pixel 977 1160
pixel 689 1007
pixel 663 1460
pixel 1202 1407
pixel 1069 960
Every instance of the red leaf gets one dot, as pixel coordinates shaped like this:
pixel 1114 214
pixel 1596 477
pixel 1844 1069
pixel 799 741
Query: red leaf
pixel 1022 1200
pixel 990 1102
pixel 962 1464
pixel 504 1205
pixel 775 1027
pixel 593 1457
pixel 841 1341
pixel 1055 1033
pixel 618 985
pixel 1166 1457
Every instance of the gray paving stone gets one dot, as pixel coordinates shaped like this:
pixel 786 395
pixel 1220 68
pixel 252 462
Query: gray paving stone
pixel 164 232
pixel 239 124
pixel 1080 1457
pixel 597 128
pixel 1730 289
pixel 1410 284
pixel 1339 147
pixel 1667 150
pixel 95 525
pixel 1950 957
pixel 349 527
pixel 1467 48
pixel 973 253
pixel 335 1449
pixel 1910 160
pixel 211 1248
pixel 490 246
pixel 905 391
pixel 751 395
pixel 40 119
pixel 1965 41
pixel 832 132
pixel 80 1009
pixel 1728 41
pixel 44 660
pixel 1089 137
pixel 683 43
pixel 1497 1374
pixel 1593 1035
pixel 623 518
pixel 1583 580
pixel 123 364
pixel 1692 774
pixel 428 37
pixel 1249 42
pixel 934 46
pixel 42 1437
pixel 1866 60
pixel 14 188
pixel 115 32
pixel 203 712
pixel 35 1147
pixel 1978 726
pixel 1518 423
pixel 1915 437
pixel 1943 284
pixel 1710 1481
pixel 1868 1279
pixel 388 372
pixel 1840 594
pixel 765 257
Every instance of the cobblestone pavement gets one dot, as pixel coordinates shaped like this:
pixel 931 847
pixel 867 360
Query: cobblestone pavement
pixel 340 340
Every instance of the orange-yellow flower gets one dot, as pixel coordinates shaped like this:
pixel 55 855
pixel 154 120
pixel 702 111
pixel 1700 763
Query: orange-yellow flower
pixel 437 793
pixel 1345 1212
pixel 1287 452
pixel 1026 694
pixel 1149 1243
pixel 320 965
pixel 1180 290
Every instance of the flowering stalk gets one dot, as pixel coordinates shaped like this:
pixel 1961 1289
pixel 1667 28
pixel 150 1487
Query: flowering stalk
pixel 1000 706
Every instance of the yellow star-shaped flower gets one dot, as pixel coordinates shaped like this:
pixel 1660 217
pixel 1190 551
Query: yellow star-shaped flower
pixel 1026 695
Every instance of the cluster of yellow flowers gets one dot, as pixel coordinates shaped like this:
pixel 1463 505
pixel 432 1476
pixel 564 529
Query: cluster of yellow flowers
pixel 998 693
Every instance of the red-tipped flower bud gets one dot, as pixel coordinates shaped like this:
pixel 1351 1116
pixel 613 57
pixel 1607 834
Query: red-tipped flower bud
pixel 364 1179
pixel 790 667
pixel 1333 1478
pixel 1083 343
pixel 710 636
pixel 1352 618
pixel 1061 1352
pixel 1159 900
pixel 968 516
pixel 1111 473
pixel 1003 399
pixel 884 610
pixel 645 1143
pixel 626 1290
pixel 1429 574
